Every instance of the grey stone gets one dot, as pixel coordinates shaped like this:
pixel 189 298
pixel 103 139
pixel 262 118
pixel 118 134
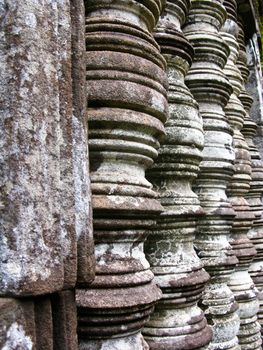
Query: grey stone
pixel 241 283
pixel 178 322
pixel 127 107
pixel 209 85
pixel 44 179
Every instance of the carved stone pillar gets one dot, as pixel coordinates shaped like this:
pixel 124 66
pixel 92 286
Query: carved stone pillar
pixel 127 108
pixel 241 283
pixel 177 323
pixel 253 197
pixel 211 89
pixel 255 234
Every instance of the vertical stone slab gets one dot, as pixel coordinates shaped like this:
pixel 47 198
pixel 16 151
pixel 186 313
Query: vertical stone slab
pixel 43 156
pixel 66 190
pixel 81 173
pixel 43 323
pixel 39 323
pixel 29 150
pixel 64 315
pixel 211 89
pixel 127 106
pixel 177 323
pixel 17 326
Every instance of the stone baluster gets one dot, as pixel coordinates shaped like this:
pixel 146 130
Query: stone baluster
pixel 241 283
pixel 242 55
pixel 211 89
pixel 128 106
pixel 177 323
pixel 253 197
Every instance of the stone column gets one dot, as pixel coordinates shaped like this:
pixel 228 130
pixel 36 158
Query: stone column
pixel 255 233
pixel 177 323
pixel 127 85
pixel 211 89
pixel 241 283
pixel 253 197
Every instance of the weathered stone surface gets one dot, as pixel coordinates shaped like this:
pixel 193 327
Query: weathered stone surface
pixel 64 316
pixel 43 323
pixel 46 224
pixel 254 82
pixel 253 196
pixel 254 199
pixel 177 322
pixel 44 200
pixel 211 89
pixel 127 108
pixel 81 175
pixel 55 321
pixel 17 327
pixel 240 283
pixel 40 323
pixel 254 86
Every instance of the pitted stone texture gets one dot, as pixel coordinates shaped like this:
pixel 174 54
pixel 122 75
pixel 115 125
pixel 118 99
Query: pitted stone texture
pixel 132 342
pixel 127 106
pixel 177 323
pixel 212 90
pixel 17 329
pixel 40 323
pixel 43 157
